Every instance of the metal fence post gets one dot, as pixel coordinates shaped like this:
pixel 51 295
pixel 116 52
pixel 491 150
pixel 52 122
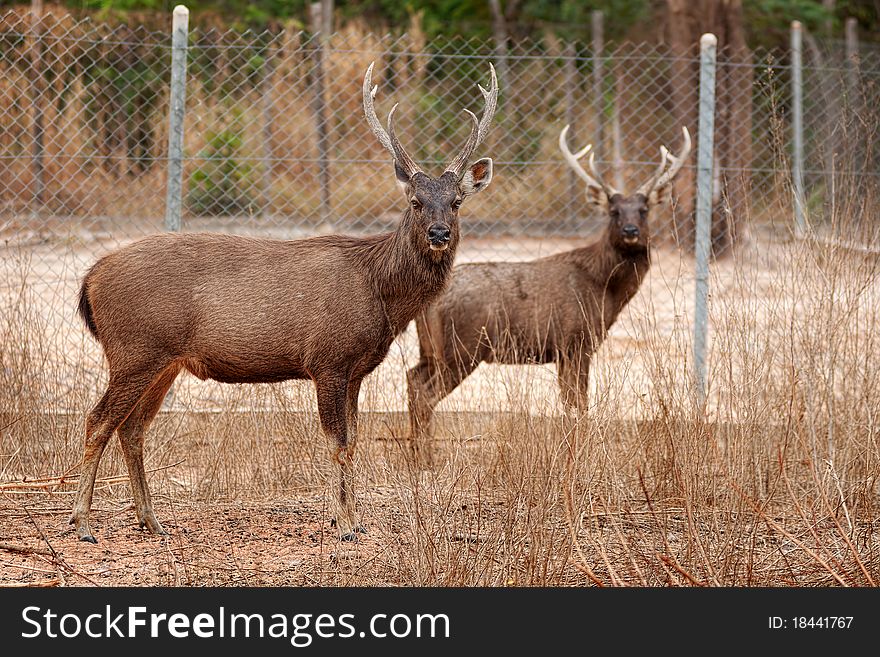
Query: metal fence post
pixel 616 136
pixel 852 59
pixel 705 160
pixel 574 185
pixel 321 15
pixel 267 111
pixel 36 98
pixel 177 108
pixel 797 126
pixel 856 152
pixel 598 76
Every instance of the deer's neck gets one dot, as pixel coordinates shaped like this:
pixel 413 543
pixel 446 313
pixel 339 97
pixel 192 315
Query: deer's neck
pixel 619 273
pixel 406 276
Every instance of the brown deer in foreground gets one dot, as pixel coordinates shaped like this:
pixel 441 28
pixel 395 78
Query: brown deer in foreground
pixel 248 310
pixel 554 309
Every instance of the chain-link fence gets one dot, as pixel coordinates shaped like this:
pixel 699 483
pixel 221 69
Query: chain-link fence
pixel 275 142
pixel 275 137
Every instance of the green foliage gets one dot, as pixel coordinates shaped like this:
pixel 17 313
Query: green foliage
pixel 124 5
pixel 766 21
pixel 572 18
pixel 222 183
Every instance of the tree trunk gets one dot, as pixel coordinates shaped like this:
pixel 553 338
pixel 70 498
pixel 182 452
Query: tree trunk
pixel 687 21
pixel 733 121
pixel 683 88
pixel 829 20
pixel 499 34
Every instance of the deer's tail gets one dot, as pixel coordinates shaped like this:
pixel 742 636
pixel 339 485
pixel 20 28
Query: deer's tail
pixel 85 307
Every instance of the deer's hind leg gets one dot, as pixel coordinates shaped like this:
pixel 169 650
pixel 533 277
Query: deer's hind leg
pixel 573 374
pixel 131 438
pixel 125 389
pixel 420 410
pixel 428 383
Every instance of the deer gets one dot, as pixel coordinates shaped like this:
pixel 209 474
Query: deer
pixel 240 309
pixel 555 309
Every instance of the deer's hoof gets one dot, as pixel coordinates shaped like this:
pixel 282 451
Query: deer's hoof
pixel 349 537
pixel 154 528
pixel 88 538
pixel 360 529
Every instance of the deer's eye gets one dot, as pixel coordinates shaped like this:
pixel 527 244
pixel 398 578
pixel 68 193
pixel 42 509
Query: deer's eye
pixel 456 204
pixel 415 204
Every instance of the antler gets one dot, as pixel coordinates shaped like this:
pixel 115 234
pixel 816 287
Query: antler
pixel 608 189
pixel 663 175
pixel 572 158
pixel 646 188
pixel 388 139
pixel 403 158
pixel 478 130
pixel 676 161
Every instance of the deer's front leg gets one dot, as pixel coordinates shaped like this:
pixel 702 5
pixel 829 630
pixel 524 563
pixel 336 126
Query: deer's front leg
pixel 351 413
pixel 332 402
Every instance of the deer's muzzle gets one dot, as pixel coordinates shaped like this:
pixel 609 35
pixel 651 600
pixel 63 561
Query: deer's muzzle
pixel 630 233
pixel 438 237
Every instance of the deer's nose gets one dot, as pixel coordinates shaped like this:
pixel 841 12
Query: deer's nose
pixel 630 230
pixel 438 234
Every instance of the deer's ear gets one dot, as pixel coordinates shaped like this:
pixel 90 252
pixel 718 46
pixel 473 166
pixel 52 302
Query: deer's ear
pixel 477 177
pixel 400 174
pixel 402 179
pixel 660 195
pixel 597 197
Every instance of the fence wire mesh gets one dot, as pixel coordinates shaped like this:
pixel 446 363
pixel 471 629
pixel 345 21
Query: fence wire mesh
pixel 276 144
pixel 84 109
pixel 83 114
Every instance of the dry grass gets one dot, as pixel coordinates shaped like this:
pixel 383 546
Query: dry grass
pixel 772 483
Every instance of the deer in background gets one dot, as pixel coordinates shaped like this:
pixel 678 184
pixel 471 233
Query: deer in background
pixel 248 310
pixel 556 309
